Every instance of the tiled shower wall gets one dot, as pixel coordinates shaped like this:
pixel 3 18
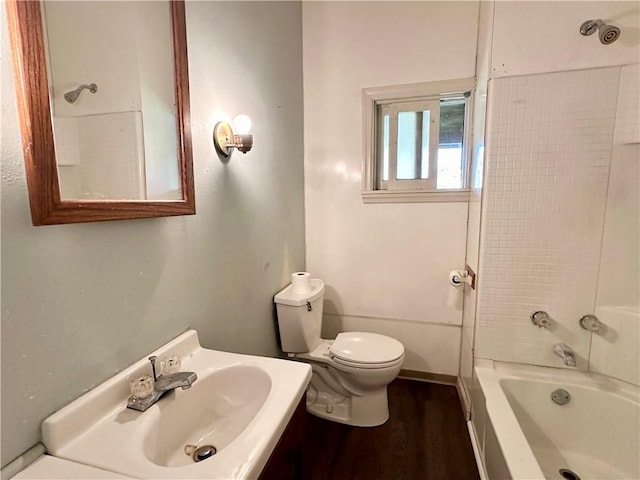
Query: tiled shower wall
pixel 549 143
pixel 101 156
pixel 112 156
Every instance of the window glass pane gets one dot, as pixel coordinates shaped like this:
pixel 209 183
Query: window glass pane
pixel 406 159
pixel 408 153
pixel 385 148
pixel 449 166
pixel 426 126
pixel 451 143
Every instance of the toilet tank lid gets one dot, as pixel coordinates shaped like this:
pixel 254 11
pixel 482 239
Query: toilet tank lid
pixel 288 297
pixel 366 347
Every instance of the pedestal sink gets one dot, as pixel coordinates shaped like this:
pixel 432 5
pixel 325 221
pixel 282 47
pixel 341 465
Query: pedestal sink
pixel 239 405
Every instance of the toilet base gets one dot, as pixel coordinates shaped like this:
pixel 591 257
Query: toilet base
pixel 370 410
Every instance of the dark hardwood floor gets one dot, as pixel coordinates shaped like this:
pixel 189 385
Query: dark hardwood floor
pixel 426 437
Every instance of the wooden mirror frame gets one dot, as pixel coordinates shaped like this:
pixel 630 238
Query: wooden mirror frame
pixel 27 42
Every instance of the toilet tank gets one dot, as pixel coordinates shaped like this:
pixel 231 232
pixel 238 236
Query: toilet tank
pixel 300 317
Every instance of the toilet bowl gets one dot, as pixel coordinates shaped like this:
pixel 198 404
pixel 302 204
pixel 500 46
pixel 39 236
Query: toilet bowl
pixel 350 373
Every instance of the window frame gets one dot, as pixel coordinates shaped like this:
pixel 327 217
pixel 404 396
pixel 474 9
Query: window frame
pixel 410 191
pixel 393 109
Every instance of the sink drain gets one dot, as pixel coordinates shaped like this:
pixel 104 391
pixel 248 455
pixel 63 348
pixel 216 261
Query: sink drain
pixel 568 474
pixel 200 453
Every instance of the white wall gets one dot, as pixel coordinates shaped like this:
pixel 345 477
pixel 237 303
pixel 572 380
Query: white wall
pixel 157 98
pixel 619 283
pixel 81 302
pixel 535 37
pixel 617 351
pixel 93 48
pixel 384 264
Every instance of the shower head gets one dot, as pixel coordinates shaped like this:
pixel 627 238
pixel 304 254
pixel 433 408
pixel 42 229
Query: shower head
pixel 73 95
pixel 607 33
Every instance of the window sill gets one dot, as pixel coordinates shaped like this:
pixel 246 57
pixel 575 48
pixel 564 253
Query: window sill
pixel 414 196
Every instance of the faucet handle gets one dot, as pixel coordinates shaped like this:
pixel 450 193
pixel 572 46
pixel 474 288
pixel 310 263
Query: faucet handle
pixel 592 324
pixel 541 319
pixel 170 365
pixel 141 387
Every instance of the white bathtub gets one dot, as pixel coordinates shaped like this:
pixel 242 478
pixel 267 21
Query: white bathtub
pixel 523 434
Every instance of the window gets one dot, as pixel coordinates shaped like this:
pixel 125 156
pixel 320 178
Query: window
pixel 416 139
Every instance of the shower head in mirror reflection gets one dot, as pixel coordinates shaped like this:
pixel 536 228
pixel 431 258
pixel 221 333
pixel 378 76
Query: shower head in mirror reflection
pixel 73 95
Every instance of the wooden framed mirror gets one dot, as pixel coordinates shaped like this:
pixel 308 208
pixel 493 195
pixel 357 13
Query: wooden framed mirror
pixel 31 48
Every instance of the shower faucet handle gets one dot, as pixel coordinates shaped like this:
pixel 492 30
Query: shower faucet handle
pixel 592 324
pixel 541 319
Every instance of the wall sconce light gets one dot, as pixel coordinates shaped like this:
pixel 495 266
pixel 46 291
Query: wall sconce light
pixel 226 140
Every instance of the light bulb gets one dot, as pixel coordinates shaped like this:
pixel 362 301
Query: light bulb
pixel 242 124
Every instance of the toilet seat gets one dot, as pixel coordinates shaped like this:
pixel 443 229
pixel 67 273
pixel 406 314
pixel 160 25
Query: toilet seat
pixel 338 363
pixel 366 350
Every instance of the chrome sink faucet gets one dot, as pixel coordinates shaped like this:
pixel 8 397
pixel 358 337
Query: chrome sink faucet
pixel 161 385
pixel 565 353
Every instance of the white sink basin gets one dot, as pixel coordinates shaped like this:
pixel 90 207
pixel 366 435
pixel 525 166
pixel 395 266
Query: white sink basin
pixel 214 412
pixel 240 404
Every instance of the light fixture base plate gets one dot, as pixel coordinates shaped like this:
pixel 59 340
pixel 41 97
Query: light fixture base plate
pixel 223 138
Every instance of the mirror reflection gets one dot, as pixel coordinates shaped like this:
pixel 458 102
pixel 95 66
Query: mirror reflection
pixel 113 99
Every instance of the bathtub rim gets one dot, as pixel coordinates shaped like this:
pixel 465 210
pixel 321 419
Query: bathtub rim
pixel 516 451
pixel 515 448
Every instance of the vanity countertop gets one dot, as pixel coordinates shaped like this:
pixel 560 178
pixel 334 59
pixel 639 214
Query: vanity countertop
pixel 52 468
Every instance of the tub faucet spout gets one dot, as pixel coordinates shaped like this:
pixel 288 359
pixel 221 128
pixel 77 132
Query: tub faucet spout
pixel 565 353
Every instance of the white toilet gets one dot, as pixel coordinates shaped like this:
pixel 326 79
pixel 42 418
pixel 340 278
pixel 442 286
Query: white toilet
pixel 350 373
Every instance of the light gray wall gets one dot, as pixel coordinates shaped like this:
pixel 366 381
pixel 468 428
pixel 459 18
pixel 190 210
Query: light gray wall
pixel 80 302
